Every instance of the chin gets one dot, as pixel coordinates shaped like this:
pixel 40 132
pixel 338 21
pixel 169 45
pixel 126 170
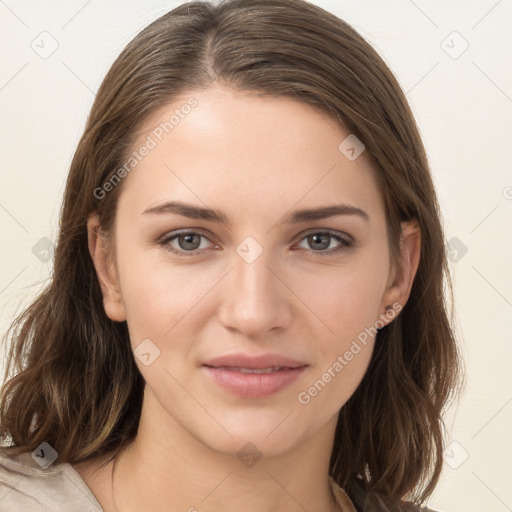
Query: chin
pixel 269 433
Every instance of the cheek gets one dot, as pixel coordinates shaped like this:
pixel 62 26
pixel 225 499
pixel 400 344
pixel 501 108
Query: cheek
pixel 157 294
pixel 347 306
pixel 347 301
pixel 344 299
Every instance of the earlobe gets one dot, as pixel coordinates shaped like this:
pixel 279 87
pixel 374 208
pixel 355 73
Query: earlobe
pixel 399 290
pixel 107 275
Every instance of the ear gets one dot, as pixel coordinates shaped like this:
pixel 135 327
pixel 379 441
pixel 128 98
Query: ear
pixel 105 268
pixel 400 282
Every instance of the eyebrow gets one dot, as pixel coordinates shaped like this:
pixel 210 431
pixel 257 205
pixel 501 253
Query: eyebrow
pixel 196 212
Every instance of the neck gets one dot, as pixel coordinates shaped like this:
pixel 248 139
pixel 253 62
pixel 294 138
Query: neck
pixel 167 468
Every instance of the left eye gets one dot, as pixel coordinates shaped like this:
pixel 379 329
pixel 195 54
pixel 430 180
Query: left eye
pixel 189 243
pixel 324 239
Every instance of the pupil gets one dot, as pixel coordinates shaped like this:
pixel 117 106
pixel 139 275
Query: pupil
pixel 187 240
pixel 316 237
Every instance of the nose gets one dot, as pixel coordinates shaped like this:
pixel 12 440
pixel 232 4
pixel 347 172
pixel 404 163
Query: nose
pixel 255 296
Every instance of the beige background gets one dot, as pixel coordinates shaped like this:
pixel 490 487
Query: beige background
pixel 462 99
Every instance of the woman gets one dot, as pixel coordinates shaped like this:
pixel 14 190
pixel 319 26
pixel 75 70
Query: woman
pixel 195 350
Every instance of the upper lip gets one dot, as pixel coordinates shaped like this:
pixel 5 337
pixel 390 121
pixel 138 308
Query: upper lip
pixel 255 362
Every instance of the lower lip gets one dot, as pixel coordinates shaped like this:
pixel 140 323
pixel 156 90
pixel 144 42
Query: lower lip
pixel 254 385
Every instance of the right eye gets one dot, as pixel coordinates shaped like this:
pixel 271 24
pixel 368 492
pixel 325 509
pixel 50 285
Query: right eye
pixel 189 241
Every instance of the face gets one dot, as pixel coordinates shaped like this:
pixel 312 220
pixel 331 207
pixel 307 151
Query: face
pixel 266 282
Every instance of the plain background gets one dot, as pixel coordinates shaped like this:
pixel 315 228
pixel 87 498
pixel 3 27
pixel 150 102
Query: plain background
pixel 453 60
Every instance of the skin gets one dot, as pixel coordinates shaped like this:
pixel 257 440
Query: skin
pixel 255 159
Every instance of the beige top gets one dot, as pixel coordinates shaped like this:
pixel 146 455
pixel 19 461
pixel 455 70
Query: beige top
pixel 27 487
pixel 342 497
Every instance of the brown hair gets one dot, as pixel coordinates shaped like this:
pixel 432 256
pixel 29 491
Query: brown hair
pixel 74 382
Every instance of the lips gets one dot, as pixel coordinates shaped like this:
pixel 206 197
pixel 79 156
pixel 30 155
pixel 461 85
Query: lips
pixel 253 377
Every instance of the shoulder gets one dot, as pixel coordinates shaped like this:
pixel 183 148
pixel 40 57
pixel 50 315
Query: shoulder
pixel 26 486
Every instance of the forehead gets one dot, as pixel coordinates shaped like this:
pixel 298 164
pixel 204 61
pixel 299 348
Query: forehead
pixel 234 147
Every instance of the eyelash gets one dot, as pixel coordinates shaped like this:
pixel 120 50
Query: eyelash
pixel 346 244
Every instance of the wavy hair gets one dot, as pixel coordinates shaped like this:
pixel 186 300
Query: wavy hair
pixel 71 378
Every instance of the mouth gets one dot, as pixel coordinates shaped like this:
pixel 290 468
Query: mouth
pixel 253 377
